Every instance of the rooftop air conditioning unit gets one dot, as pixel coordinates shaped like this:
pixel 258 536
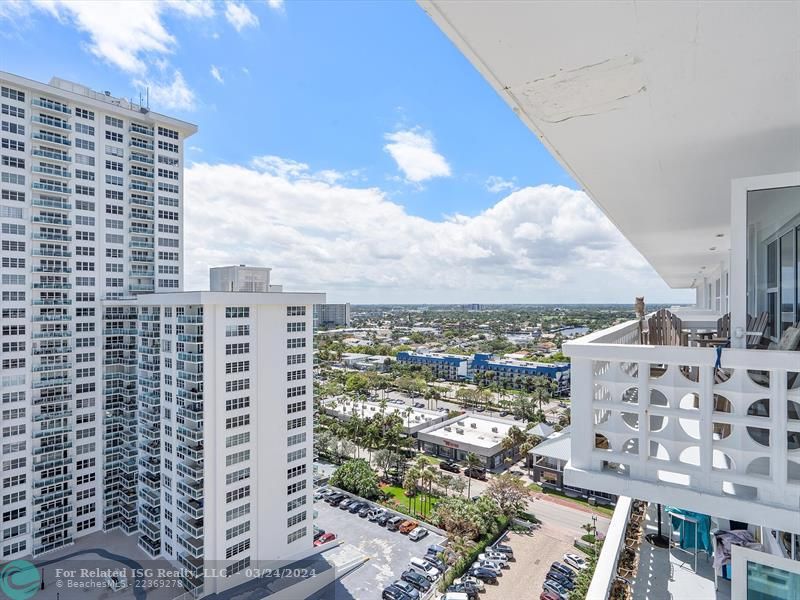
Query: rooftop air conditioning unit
pixel 448 428
pixel 460 431
pixel 473 425
pixel 494 429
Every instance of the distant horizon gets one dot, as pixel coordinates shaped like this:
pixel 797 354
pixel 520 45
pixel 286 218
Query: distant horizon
pixel 488 304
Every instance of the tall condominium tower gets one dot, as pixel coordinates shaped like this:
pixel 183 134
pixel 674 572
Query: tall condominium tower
pixel 127 404
pixel 91 208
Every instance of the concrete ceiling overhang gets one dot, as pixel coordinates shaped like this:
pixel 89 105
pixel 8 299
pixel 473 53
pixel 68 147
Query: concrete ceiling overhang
pixel 653 107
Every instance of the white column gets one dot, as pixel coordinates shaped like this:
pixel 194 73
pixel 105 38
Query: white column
pixel 582 414
pixel 706 423
pixel 778 411
pixel 644 416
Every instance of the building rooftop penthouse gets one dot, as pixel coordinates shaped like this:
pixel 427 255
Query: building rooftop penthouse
pixel 480 432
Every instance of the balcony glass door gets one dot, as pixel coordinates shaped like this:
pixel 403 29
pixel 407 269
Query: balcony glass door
pixel 773 257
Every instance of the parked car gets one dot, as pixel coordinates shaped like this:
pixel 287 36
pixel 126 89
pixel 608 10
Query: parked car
pixel 449 466
pixel 460 588
pixel 488 565
pixel 475 473
pixel 346 502
pixel 454 596
pixel 417 534
pixel 418 580
pixel 376 513
pixel 364 511
pixel 384 519
pixel 575 561
pixel 324 539
pixel 335 498
pixel 321 493
pixel 494 557
pixel 485 575
pixel 548 595
pixel 408 526
pixel 471 580
pixel 419 405
pixel 481 409
pixel 436 562
pixel 435 550
pixel 356 507
pixel 394 593
pixel 407 588
pixel 563 569
pixel 556 588
pixel 318 533
pixel 470 590
pixel 393 524
pixel 507 550
pixel 559 577
pixel 424 567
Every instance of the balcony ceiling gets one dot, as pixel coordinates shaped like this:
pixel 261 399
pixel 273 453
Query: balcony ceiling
pixel 653 107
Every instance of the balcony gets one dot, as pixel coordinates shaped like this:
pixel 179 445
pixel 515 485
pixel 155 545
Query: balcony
pixel 141 129
pixel 141 202
pixel 134 143
pixel 714 440
pixel 51 171
pixel 51 154
pixel 51 220
pixel 52 285
pixel 141 187
pixel 51 138
pixel 140 173
pixel 52 105
pixel 52 203
pixel 141 158
pixel 49 187
pixel 134 244
pixel 51 122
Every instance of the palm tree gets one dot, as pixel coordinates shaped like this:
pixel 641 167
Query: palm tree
pixel 473 462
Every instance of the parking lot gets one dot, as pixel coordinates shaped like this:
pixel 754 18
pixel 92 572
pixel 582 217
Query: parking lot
pixel 389 551
pixel 533 553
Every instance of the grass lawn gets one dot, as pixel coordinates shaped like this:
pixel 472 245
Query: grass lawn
pixel 399 501
pixel 603 510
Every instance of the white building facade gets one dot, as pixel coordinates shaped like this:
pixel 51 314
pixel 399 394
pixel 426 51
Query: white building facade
pixel 680 121
pixel 91 206
pixel 182 418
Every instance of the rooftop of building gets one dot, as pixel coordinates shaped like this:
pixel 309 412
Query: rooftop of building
pixel 369 408
pixel 78 92
pixel 557 446
pixel 481 431
pixel 435 354
pixel 208 297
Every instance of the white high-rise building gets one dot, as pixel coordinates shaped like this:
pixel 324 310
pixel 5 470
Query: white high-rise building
pixel 332 315
pixel 91 206
pixel 128 404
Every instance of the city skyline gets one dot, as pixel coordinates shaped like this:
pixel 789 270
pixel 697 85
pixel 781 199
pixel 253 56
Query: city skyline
pixel 422 204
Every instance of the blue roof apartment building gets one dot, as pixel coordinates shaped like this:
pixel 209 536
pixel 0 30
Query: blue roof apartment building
pixel 510 371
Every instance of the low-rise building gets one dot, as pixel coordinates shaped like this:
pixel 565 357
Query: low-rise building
pixel 482 435
pixel 444 366
pixel 514 372
pixel 415 419
pixel 547 461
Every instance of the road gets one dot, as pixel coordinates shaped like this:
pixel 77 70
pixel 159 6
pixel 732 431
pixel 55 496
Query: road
pixel 563 517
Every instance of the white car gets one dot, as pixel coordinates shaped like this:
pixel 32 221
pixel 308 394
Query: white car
pixel 473 580
pixel 495 557
pixel 376 513
pixel 485 564
pixel 417 534
pixel 321 493
pixel 424 567
pixel 575 561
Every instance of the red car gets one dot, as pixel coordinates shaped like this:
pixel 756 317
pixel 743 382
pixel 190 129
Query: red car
pixel 548 595
pixel 324 539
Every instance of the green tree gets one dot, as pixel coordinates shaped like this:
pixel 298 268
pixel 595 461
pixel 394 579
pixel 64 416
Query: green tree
pixel 509 492
pixel 472 461
pixel 357 477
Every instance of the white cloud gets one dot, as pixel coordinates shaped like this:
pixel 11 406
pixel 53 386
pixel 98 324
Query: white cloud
pixel 415 155
pixel 124 34
pixel 216 74
pixel 540 244
pixel 276 5
pixel 239 16
pixel 497 184
pixel 166 95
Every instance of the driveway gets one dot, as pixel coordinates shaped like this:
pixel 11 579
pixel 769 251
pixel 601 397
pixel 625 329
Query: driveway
pixel 388 552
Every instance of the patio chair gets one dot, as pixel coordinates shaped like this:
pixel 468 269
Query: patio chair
pixel 720 337
pixel 665 329
pixel 789 342
pixel 758 328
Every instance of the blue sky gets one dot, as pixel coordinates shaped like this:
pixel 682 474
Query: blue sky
pixel 361 97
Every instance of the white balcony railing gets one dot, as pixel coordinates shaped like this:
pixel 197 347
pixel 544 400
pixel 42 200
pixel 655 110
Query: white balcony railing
pixel 722 442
